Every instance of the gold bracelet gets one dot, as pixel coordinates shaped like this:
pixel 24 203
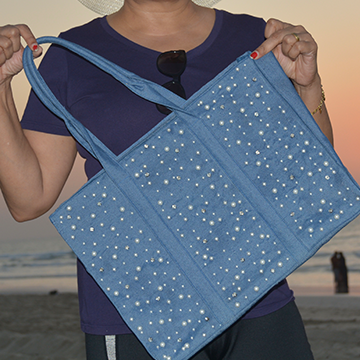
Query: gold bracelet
pixel 322 101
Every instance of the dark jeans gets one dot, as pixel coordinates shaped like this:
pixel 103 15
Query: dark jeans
pixel 276 336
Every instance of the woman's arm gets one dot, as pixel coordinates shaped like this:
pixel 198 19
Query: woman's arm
pixel 296 51
pixel 33 165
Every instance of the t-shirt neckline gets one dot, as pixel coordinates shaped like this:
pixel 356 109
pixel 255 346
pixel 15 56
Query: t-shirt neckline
pixel 192 53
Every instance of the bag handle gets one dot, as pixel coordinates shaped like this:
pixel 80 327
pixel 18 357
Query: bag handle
pixel 144 88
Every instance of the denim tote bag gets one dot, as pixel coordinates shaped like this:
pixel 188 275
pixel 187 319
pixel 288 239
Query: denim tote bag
pixel 195 222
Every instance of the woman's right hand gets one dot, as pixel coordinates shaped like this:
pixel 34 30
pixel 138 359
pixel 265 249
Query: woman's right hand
pixel 11 49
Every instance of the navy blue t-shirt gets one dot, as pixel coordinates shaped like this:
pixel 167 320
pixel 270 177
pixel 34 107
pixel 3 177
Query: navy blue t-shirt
pixel 119 118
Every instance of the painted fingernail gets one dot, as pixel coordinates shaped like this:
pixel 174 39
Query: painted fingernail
pixel 35 47
pixel 254 55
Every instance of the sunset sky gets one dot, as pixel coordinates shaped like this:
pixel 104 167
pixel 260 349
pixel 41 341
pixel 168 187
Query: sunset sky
pixel 334 25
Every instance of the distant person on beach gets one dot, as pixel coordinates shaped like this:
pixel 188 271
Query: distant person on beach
pixel 340 273
pixel 36 157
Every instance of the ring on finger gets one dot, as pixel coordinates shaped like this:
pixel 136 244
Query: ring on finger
pixel 296 37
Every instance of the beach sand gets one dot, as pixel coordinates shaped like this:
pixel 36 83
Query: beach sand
pixel 46 327
pixel 333 325
pixel 40 327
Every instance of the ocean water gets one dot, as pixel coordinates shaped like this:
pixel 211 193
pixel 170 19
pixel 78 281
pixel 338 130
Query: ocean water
pixel 36 266
pixel 48 264
pixel 317 272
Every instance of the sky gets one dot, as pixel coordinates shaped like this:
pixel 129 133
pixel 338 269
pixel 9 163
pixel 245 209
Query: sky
pixel 333 24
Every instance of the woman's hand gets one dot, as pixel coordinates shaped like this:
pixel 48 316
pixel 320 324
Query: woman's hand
pixel 11 49
pixel 296 52
pixel 294 48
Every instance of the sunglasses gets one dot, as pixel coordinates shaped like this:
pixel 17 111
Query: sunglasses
pixel 173 64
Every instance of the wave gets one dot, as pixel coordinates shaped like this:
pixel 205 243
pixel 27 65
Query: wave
pixel 314 268
pixel 37 276
pixel 38 265
pixel 40 256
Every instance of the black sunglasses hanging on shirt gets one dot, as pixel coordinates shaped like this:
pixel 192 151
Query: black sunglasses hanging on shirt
pixel 172 63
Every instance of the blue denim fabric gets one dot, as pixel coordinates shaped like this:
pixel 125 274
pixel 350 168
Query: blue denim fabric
pixel 194 223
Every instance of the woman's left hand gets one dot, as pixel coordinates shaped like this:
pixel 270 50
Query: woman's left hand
pixel 294 48
pixel 296 51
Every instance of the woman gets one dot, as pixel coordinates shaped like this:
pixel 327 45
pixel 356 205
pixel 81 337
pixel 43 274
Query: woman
pixel 37 156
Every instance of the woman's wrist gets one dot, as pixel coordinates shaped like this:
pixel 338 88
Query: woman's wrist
pixel 6 96
pixel 5 86
pixel 313 95
pixel 321 103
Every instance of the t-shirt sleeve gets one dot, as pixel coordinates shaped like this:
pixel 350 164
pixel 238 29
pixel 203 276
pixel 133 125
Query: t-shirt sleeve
pixel 37 117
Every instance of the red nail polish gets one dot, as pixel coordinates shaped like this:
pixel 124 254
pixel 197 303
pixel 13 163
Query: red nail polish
pixel 254 55
pixel 35 47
